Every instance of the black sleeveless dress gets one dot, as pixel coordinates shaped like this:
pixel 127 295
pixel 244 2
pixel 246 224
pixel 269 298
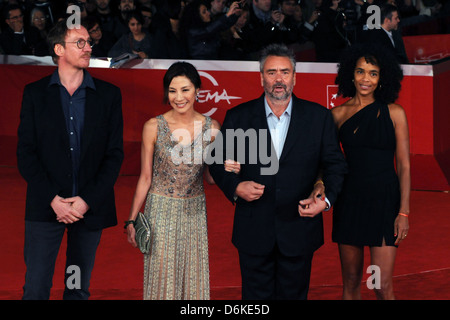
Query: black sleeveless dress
pixel 365 210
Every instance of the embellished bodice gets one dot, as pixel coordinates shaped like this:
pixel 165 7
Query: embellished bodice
pixel 178 168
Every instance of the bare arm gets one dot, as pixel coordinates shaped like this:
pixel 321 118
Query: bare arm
pixel 398 117
pixel 215 129
pixel 145 178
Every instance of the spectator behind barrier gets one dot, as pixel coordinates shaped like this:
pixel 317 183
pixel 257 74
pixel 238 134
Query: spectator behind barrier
pixel 201 35
pixel 136 41
pixel 101 42
pixel 18 40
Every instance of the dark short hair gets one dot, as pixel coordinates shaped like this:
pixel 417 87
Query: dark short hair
pixel 276 49
pixel 191 15
pixel 89 22
pixel 180 68
pixel 57 35
pixel 386 11
pixel 391 74
pixel 8 8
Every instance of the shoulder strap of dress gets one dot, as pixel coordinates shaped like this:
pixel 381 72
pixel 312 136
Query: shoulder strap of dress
pixel 208 122
pixel 206 132
pixel 163 128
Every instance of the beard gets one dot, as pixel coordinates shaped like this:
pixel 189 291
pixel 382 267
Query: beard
pixel 278 96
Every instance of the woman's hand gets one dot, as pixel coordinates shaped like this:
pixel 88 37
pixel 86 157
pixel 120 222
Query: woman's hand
pixel 315 203
pixel 234 9
pixel 141 54
pixel 232 166
pixel 131 235
pixel 401 228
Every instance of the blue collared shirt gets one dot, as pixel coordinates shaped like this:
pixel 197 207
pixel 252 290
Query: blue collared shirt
pixel 278 126
pixel 73 108
pixel 278 130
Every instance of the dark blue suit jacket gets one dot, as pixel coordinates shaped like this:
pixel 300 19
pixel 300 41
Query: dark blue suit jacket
pixel 311 144
pixel 43 153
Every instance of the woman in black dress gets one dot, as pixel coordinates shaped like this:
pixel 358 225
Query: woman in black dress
pixel 373 207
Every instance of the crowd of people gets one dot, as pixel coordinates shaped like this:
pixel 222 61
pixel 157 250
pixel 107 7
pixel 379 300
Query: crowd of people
pixel 70 150
pixel 72 165
pixel 204 29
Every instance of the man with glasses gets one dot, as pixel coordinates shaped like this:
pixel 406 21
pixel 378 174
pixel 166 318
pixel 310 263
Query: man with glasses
pixel 70 150
pixel 16 40
pixel 102 42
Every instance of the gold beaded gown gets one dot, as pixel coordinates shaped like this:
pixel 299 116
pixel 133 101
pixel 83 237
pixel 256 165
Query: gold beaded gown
pixel 177 266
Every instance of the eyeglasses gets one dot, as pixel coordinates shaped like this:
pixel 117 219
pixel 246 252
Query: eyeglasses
pixel 94 30
pixel 81 43
pixel 39 19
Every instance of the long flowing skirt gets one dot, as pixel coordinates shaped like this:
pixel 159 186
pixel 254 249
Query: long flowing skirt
pixel 177 266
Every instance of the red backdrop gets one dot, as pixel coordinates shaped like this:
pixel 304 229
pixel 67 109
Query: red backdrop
pixel 426 49
pixel 226 84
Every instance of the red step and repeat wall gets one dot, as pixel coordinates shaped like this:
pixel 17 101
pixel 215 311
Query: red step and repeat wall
pixel 427 48
pixel 225 84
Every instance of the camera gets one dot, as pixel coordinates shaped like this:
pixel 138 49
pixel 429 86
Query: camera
pixel 241 4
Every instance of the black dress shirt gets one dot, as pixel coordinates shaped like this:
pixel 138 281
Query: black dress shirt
pixel 73 107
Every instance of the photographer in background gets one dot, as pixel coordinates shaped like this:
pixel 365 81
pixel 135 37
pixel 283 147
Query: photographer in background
pixel 218 7
pixel 234 41
pixel 265 26
pixel 330 35
pixel 299 29
pixel 199 34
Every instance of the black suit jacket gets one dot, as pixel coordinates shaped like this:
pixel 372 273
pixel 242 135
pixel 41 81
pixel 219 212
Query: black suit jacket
pixel 44 158
pixel 311 144
pixel 30 42
pixel 379 37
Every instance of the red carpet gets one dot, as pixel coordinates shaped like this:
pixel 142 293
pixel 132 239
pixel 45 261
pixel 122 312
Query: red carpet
pixel 422 268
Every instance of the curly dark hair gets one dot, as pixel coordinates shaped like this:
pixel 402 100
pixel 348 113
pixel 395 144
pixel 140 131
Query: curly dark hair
pixel 391 73
pixel 191 15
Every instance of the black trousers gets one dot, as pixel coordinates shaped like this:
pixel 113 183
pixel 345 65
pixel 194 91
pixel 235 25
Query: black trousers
pixel 42 243
pixel 275 276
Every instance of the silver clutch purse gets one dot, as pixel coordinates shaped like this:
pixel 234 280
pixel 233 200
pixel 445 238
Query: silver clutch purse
pixel 143 233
